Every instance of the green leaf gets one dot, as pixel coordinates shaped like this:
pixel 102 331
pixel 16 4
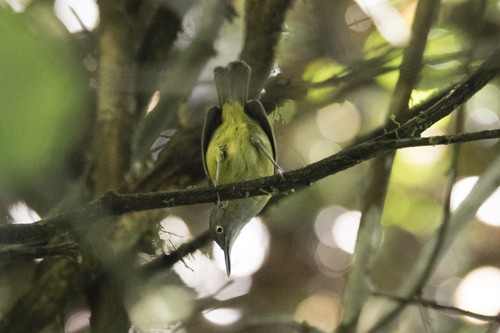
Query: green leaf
pixel 40 99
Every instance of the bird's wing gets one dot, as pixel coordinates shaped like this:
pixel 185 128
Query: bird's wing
pixel 255 110
pixel 212 120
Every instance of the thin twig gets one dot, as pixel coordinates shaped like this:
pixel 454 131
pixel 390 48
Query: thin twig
pixel 434 305
pixel 166 261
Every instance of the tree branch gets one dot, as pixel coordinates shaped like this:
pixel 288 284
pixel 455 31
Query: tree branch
pixel 167 260
pixel 487 184
pixel 115 204
pixel 434 305
pixel 369 235
pixel 30 252
pixel 115 98
pixel 422 272
pixel 460 94
pixel 181 78
pixel 162 31
pixel 263 24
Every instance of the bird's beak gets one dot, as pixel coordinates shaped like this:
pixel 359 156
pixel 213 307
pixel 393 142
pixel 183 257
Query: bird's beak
pixel 227 252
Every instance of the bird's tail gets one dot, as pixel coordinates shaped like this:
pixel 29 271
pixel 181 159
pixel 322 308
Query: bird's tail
pixel 232 82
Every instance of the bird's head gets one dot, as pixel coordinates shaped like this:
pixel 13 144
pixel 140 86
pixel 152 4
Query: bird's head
pixel 225 227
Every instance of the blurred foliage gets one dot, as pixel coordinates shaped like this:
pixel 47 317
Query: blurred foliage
pixel 324 67
pixel 41 101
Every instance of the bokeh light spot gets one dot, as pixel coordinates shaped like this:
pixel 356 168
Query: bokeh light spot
pixel 422 156
pixel 338 121
pixel 356 19
pixel 461 190
pixel 389 22
pixel 77 321
pixel 197 271
pixel 479 292
pixel 22 213
pixel 332 260
pixel 324 223
pixel 74 13
pixel 249 250
pixel 322 149
pixel 482 119
pixel 222 316
pixel 345 230
pixel 320 310
pixel 488 212
pixel 175 231
pixel 161 307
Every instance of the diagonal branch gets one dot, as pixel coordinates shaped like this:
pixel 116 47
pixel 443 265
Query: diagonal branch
pixel 166 261
pixel 462 92
pixel 369 235
pixel 115 204
pixel 434 305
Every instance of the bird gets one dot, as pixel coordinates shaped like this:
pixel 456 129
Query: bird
pixel 238 144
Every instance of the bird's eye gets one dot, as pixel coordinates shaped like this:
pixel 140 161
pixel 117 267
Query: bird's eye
pixel 219 229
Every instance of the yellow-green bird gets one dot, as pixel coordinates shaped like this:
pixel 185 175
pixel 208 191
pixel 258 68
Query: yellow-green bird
pixel 237 145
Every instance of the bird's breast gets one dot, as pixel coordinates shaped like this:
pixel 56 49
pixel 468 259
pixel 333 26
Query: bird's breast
pixel 242 160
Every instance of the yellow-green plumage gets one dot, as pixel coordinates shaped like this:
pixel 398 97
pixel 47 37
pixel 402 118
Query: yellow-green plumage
pixel 242 160
pixel 237 145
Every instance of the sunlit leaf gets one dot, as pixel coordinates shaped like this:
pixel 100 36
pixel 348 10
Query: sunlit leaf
pixel 319 71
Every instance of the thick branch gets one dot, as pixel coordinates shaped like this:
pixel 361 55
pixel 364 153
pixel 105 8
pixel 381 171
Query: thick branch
pixel 26 233
pixel 181 78
pixel 114 204
pixel 155 49
pixel 27 252
pixel 115 98
pixel 263 24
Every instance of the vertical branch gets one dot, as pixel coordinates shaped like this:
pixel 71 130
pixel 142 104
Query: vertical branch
pixel 116 107
pixel 155 47
pixel 358 282
pixel 263 25
pixel 116 97
pixel 409 71
pixel 434 249
pixel 181 78
pixel 486 185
